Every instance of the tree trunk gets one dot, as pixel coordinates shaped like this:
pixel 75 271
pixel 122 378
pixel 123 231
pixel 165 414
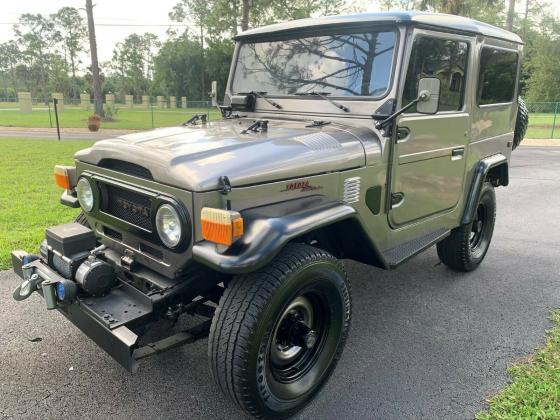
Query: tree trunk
pixel 245 13
pixel 94 62
pixel 202 69
pixel 14 82
pixel 73 66
pixel 511 12
pixel 525 18
pixel 368 65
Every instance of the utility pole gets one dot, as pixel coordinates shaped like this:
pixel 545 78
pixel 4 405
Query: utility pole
pixel 94 62
pixel 511 12
pixel 203 93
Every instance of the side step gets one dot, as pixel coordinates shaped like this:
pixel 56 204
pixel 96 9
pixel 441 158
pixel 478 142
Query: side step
pixel 401 253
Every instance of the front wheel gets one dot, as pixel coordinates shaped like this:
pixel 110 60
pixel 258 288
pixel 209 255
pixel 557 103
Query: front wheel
pixel 467 245
pixel 278 333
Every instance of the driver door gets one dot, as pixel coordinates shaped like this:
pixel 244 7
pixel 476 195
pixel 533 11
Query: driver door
pixel 429 154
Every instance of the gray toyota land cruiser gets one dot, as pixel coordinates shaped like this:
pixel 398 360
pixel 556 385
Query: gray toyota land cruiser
pixel 368 137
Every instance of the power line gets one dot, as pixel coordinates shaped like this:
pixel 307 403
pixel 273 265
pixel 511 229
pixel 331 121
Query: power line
pixel 182 25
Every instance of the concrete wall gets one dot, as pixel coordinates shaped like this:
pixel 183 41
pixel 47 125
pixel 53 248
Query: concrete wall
pixel 183 101
pixel 110 99
pixel 24 100
pixel 129 100
pixel 145 101
pixel 172 102
pixel 84 100
pixel 160 101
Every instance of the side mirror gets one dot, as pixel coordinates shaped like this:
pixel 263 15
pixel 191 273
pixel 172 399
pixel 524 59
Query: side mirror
pixel 428 95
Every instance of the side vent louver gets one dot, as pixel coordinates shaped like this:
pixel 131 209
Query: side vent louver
pixel 352 190
pixel 318 141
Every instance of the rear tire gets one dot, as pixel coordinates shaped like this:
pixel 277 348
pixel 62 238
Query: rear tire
pixel 521 123
pixel 467 245
pixel 278 333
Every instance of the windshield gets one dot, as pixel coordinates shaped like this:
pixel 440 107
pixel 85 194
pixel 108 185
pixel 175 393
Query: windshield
pixel 347 64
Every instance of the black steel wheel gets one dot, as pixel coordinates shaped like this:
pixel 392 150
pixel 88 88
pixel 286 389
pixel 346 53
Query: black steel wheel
pixel 278 332
pixel 467 245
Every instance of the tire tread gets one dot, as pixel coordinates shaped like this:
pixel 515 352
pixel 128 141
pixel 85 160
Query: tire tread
pixel 238 313
pixel 454 251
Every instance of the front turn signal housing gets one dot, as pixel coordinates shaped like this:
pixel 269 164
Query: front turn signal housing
pixel 222 227
pixel 65 176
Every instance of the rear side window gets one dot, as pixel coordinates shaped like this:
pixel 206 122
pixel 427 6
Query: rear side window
pixel 441 58
pixel 496 80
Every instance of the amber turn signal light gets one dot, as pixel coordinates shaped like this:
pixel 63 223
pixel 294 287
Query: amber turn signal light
pixel 65 176
pixel 221 226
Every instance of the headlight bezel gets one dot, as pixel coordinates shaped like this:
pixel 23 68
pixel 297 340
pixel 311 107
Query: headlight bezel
pixel 104 219
pixel 181 222
pixel 86 181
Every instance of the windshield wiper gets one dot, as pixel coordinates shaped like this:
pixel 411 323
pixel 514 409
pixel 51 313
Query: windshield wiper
pixel 323 95
pixel 262 95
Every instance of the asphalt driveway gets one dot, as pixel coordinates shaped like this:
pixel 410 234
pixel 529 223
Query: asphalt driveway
pixel 425 342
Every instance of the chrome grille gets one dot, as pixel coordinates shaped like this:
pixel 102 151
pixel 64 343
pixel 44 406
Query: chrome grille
pixel 129 206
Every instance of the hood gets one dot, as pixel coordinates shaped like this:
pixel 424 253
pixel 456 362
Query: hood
pixel 195 157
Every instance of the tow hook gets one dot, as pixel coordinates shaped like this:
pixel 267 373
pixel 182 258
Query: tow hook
pixel 25 289
pixel 57 293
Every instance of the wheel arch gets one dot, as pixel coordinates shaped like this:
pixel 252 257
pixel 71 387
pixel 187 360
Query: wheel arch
pixel 499 175
pixel 492 168
pixel 316 220
pixel 345 239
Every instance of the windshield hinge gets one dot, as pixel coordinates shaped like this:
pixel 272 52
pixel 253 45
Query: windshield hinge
pixel 257 127
pixel 196 118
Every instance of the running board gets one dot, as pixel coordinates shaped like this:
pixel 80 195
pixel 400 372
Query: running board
pixel 399 254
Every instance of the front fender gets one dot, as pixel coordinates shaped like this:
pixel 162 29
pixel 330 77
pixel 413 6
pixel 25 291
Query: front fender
pixel 268 229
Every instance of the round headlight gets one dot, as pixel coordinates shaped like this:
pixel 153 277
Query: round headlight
pixel 168 225
pixel 85 194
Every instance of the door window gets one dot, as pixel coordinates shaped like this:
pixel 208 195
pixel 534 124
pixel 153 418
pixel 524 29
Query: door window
pixel 442 58
pixel 496 80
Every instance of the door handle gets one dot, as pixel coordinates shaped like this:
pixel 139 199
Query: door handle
pixel 402 134
pixel 397 199
pixel 457 153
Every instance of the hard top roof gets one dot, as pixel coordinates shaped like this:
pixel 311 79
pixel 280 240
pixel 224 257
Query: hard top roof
pixel 439 20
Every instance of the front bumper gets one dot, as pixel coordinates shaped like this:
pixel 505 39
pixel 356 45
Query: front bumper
pixel 107 320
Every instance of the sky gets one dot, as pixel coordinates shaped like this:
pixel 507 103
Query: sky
pixel 125 12
pixel 130 15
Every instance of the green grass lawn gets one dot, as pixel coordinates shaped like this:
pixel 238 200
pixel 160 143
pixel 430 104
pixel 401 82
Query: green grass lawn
pixel 138 118
pixel 535 390
pixel 29 198
pixel 540 126
pixel 74 117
